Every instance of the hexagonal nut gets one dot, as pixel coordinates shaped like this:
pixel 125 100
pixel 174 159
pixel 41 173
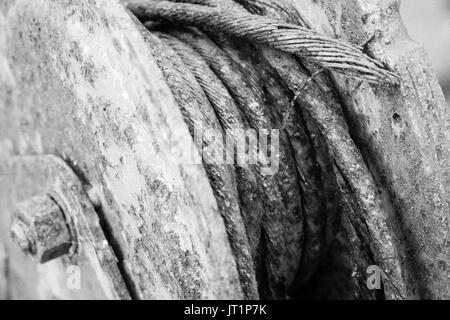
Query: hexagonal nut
pixel 41 222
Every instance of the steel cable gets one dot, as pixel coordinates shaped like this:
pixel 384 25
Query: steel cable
pixel 317 98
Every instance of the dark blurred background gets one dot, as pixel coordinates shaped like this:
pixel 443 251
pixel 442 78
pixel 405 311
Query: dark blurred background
pixel 428 22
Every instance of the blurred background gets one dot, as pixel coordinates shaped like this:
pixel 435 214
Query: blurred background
pixel 428 22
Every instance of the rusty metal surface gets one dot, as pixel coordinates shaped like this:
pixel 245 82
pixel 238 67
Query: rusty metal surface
pixel 79 82
pixel 27 182
pixel 40 229
pixel 402 133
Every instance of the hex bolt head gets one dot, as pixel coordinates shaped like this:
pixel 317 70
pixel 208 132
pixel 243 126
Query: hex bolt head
pixel 40 229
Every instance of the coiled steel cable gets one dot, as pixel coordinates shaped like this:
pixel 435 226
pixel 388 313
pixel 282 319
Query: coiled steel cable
pixel 323 108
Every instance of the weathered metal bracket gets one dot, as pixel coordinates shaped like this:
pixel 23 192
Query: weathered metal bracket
pixel 54 218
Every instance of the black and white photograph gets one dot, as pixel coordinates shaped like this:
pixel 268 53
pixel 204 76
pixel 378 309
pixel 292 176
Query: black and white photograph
pixel 225 156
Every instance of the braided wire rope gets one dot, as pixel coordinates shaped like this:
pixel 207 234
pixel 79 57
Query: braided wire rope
pixel 293 37
pixel 325 51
